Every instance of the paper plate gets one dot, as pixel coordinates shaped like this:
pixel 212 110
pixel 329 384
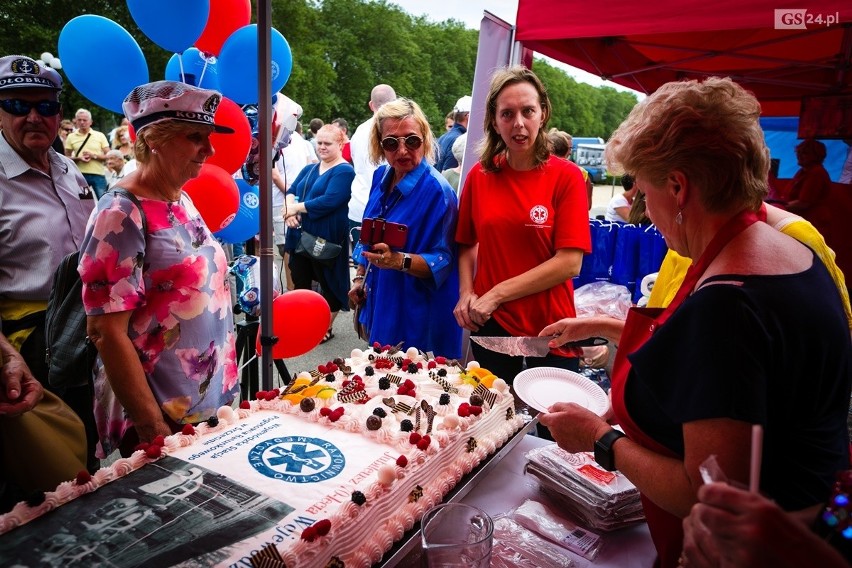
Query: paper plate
pixel 541 387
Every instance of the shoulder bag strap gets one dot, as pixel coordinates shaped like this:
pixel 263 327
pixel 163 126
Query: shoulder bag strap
pixel 124 193
pixel 80 149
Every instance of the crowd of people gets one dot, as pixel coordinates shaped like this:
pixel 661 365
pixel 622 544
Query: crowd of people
pixel 748 324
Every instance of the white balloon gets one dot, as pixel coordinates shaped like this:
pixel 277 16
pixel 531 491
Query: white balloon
pixel 41 63
pixel 47 57
pixel 55 63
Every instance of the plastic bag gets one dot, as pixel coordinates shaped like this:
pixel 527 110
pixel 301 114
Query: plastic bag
pixel 602 298
pixel 625 262
pixel 652 249
pixel 539 519
pixel 598 264
pixel 516 547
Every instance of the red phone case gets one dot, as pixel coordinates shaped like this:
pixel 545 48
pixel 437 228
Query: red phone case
pixel 395 235
pixel 380 231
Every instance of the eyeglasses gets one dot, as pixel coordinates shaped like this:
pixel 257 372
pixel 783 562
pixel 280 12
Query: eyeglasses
pixel 391 143
pixel 18 107
pixel 68 129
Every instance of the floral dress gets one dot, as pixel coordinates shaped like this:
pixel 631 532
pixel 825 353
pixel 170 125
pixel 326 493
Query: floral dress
pixel 175 280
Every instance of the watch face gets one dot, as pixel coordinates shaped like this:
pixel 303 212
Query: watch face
pixel 604 454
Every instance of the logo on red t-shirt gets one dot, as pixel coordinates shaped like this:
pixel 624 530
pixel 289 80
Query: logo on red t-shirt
pixel 538 214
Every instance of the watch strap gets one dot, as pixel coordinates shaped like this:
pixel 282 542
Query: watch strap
pixel 406 262
pixel 603 449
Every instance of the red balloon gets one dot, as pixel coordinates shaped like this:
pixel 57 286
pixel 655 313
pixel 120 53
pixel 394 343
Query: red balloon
pixel 224 17
pixel 300 319
pixel 231 149
pixel 214 193
pixel 131 132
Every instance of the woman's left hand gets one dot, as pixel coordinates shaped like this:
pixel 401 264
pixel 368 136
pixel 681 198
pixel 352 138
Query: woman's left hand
pixel 482 308
pixel 293 221
pixel 380 256
pixel 573 427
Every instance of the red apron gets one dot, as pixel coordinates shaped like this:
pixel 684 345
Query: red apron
pixel 666 529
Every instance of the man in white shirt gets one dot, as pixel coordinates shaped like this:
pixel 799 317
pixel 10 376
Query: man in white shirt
pixel 364 168
pixel 117 168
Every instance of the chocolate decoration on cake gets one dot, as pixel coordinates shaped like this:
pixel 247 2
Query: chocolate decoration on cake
pixel 373 422
pixel 415 494
pixel 430 415
pixel 486 394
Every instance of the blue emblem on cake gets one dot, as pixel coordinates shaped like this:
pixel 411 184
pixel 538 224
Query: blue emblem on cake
pixel 297 459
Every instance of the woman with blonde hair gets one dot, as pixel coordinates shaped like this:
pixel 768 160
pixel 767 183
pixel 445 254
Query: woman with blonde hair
pixel 123 144
pixel 155 281
pixel 407 279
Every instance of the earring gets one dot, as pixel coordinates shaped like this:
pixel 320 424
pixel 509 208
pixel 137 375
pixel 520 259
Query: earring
pixel 154 151
pixel 679 217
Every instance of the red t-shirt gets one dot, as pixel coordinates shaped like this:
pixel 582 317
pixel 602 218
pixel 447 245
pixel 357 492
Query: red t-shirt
pixel 520 219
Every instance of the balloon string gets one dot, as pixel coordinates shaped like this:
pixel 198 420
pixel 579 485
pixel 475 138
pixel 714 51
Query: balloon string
pixel 180 63
pixel 247 363
pixel 203 69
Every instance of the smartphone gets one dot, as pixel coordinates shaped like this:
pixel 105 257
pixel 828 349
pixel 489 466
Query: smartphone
pixel 380 231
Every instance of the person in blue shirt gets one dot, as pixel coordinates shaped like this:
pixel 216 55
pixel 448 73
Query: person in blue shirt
pixel 408 292
pixel 318 203
pixel 461 115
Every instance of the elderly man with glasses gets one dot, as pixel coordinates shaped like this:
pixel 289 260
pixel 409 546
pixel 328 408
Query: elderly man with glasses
pixel 88 148
pixel 44 205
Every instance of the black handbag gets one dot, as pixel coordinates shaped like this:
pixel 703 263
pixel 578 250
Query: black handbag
pixel 70 352
pixel 318 248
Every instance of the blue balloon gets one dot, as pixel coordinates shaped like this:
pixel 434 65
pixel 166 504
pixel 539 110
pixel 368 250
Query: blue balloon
pixel 174 26
pixel 82 45
pixel 195 67
pixel 246 223
pixel 238 64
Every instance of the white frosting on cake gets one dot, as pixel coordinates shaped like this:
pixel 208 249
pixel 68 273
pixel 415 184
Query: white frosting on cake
pixel 398 490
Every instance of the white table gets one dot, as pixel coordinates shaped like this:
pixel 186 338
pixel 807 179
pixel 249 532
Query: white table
pixel 506 487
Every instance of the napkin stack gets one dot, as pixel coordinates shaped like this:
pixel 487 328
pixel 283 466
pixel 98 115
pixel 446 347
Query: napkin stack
pixel 599 499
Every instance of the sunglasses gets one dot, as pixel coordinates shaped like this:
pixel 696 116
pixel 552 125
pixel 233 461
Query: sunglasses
pixel 17 107
pixel 68 129
pixel 391 143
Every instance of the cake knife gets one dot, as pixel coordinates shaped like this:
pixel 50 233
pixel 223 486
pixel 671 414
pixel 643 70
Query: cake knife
pixel 529 346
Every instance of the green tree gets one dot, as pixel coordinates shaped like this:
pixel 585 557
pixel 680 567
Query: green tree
pixel 581 109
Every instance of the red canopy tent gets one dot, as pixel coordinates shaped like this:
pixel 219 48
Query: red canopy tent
pixel 643 45
pixel 781 50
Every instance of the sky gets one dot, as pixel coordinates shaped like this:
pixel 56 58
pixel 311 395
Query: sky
pixel 469 12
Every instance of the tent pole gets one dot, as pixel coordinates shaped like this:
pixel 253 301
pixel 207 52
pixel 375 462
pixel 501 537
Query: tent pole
pixel 264 106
